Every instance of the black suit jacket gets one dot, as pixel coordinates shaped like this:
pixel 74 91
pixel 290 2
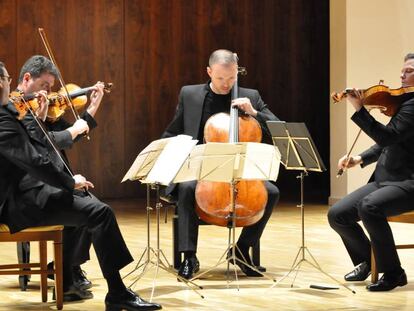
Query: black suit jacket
pixel 394 148
pixel 20 154
pixel 189 111
pixel 34 192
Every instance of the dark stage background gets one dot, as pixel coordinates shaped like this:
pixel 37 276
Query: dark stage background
pixel 150 48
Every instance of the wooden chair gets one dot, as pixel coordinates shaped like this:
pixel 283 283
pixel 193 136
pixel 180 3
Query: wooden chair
pixel 42 235
pixel 403 218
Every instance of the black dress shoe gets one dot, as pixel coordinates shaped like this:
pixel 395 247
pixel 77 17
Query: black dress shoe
pixel 360 273
pixel 74 294
pixel 129 301
pixel 245 269
pixel 50 267
pixel 188 267
pixel 388 282
pixel 79 278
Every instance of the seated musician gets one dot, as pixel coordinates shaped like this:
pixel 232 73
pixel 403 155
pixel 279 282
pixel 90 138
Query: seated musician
pixel 39 74
pixel 196 104
pixel 21 154
pixel 390 191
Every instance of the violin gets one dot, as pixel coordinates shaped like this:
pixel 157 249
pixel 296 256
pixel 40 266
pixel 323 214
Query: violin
pixel 58 101
pixel 380 97
pixel 23 103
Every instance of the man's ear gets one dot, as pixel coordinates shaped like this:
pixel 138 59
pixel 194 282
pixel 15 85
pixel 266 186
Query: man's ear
pixel 209 71
pixel 27 76
pixel 1 93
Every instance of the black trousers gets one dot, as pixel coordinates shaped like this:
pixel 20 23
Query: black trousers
pixel 88 212
pixel 188 220
pixel 371 204
pixel 83 245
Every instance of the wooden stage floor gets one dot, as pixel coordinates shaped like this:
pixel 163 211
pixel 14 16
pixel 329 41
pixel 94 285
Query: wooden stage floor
pixel 279 246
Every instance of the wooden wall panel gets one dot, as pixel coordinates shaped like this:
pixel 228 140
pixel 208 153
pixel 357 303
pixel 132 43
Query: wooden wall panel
pixel 150 48
pixel 8 36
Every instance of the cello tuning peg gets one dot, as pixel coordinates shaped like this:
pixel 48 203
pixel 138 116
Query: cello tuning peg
pixel 242 71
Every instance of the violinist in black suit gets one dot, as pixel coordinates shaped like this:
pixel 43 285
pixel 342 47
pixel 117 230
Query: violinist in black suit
pixel 389 192
pixel 39 74
pixel 21 154
pixel 196 104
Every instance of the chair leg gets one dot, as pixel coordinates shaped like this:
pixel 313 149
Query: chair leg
pixel 43 267
pixel 374 271
pixel 57 248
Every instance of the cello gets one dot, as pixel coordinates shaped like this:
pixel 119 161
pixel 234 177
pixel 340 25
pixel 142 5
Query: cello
pixel 244 200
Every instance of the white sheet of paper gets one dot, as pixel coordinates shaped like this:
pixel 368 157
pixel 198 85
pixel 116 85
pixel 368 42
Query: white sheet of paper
pixel 170 160
pixel 145 160
pixel 224 162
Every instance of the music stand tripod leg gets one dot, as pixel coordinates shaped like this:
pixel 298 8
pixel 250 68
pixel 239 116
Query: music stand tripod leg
pixel 232 246
pixel 153 257
pixel 148 249
pixel 303 248
pixel 159 254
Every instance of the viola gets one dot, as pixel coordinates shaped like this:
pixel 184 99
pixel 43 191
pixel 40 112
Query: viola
pixel 380 97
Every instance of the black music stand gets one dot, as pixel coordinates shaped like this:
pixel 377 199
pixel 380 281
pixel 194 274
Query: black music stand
pixel 299 153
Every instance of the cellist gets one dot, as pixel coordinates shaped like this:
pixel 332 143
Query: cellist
pixel 390 191
pixel 196 104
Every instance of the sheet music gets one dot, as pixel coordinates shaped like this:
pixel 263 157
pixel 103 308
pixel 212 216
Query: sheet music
pixel 170 160
pixel 260 161
pixel 225 162
pixel 146 159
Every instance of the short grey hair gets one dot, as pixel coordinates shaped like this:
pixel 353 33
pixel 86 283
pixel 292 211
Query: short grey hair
pixel 36 66
pixel 409 56
pixel 223 57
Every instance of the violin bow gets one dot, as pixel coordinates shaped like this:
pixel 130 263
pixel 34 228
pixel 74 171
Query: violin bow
pixel 47 135
pixel 51 142
pixel 342 170
pixel 60 78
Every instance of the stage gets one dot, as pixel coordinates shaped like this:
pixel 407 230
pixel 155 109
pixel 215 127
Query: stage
pixel 279 246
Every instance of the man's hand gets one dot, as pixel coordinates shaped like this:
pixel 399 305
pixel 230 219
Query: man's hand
pixel 355 97
pixel 96 98
pixel 81 182
pixel 244 104
pixel 79 127
pixel 43 101
pixel 348 162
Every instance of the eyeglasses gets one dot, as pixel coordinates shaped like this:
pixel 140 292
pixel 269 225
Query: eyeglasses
pixel 8 78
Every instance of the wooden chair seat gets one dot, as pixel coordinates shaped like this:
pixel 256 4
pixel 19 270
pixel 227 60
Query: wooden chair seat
pixel 41 235
pixel 403 218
